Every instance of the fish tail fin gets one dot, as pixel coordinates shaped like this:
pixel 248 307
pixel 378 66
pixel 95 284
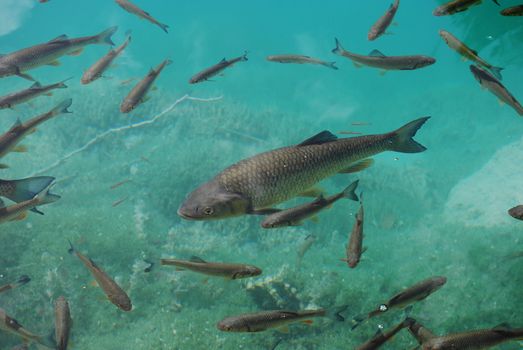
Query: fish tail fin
pixel 336 313
pixel 62 107
pixel 357 321
pixel 24 279
pixel 26 189
pixel 349 191
pixel 338 49
pixel 105 36
pixel 402 139
pixel 164 27
pixel 71 249
pixel 496 2
pixel 61 85
pixel 331 65
pixel 496 71
pixel 44 197
pixel 244 56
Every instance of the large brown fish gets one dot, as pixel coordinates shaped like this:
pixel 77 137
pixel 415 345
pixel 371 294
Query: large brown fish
pixel 139 92
pixel 300 59
pixel 135 10
pixel 19 97
pixel 18 62
pixel 96 70
pixel 513 11
pixel 355 246
pixel 25 189
pixel 19 210
pixel 376 59
pixel 63 323
pixel 467 53
pixel 254 184
pixel 381 337
pixel 219 67
pixel 380 27
pixel 112 290
pixel 516 212
pixel 9 324
pixel 489 82
pixel 226 270
pixel 456 6
pixel 20 282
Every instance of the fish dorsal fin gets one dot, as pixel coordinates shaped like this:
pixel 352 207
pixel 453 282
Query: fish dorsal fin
pixel 197 259
pixel 17 123
pixel 320 138
pixel 36 85
pixel 59 38
pixel 320 199
pixel 223 60
pixel 474 52
pixel 502 327
pixel 376 53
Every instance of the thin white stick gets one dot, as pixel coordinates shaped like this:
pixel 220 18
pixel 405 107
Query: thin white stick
pixel 108 132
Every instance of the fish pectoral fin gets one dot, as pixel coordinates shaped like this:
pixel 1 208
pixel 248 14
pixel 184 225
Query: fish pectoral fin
pixel 464 59
pixel 197 259
pixel 284 329
pixel 315 219
pixel 48 94
pixel 76 52
pixel 376 53
pixel 501 102
pixel 312 192
pixel 20 216
pixel 359 166
pixel 54 63
pixel 363 250
pixel 357 65
pixel 264 211
pixel 23 75
pixel 154 88
pixel 307 322
pixel 145 99
pixel 32 131
pixel 318 139
pixel 19 149
pixel 395 24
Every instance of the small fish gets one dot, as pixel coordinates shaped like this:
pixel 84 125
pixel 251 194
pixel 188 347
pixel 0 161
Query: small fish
pixel 456 6
pixel 380 27
pixel 19 97
pixel 135 10
pixel 19 210
pixel 10 140
pixel 300 59
pixel 9 324
pixel 516 212
pixel 295 216
pixel 406 297
pixel 48 53
pixel 25 189
pixel 210 72
pixel 226 270
pixel 119 201
pixel 63 323
pixel 305 246
pixel 355 246
pixel 513 11
pixel 120 183
pixel 467 53
pixel 113 291
pixel 20 282
pixel 376 59
pixel 97 70
pixel 381 337
pixel 139 92
pixel 489 82
pixel 418 331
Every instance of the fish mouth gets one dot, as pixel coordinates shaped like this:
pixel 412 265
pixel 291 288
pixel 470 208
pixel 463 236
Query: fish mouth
pixel 185 215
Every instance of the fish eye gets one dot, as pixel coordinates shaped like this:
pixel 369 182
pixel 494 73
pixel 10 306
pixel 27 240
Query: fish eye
pixel 208 211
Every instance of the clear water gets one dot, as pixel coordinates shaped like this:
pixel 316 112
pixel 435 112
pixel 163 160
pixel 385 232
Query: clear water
pixel 441 212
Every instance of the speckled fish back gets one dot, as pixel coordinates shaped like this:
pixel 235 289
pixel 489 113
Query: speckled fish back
pixel 480 339
pixel 7 188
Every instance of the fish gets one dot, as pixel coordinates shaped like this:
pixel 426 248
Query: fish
pixel 513 11
pixel 381 337
pixel 210 72
pixel 36 90
pixel 406 297
pixel 254 184
pixel 355 246
pixel 300 59
pixel 380 27
pixel 112 290
pixel 489 82
pixel 377 59
pixel 418 331
pixel 25 189
pixel 18 62
pixel 139 92
pixel 305 246
pixel 9 141
pixel 119 201
pixel 295 216
pixel 19 210
pixel 97 70
pixel 120 183
pixel 63 323
pixel 456 6
pixel 135 10
pixel 226 270
pixel 516 212
pixel 24 279
pixel 468 53
pixel 10 325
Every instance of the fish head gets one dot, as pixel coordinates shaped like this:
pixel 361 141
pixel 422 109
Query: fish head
pixel 441 11
pixel 438 282
pixel 273 222
pixel 247 271
pixel 232 324
pixel 87 78
pixel 373 34
pixel 7 70
pixel 123 302
pixel 127 106
pixel 212 202
pixel 445 35
pixel 425 61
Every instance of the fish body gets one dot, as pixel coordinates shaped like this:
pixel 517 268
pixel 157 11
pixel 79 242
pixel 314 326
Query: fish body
pixel 20 282
pixel 25 189
pixel 382 337
pixel 10 140
pixel 63 323
pixel 295 216
pixel 112 290
pixel 355 246
pixel 467 53
pixel 226 270
pixel 516 212
pixel 489 82
pixel 19 210
pixel 99 67
pixel 513 11
pixel 265 320
pixel 19 97
pixel 48 53
pixel 376 59
pixel 135 10
pixel 300 59
pixel 456 6
pixel 212 71
pixel 256 183
pixel 380 27
pixel 418 331
pixel 140 90
pixel 10 325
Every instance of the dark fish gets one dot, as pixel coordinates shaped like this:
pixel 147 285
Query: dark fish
pixel 513 11
pixel 120 183
pixel 489 82
pixel 25 189
pixel 456 6
pixel 9 324
pixel 97 70
pixel 380 27
pixel 418 331
pixel 114 292
pixel 406 297
pixel 20 282
pixel 355 245
pixel 63 323
pixel 19 97
pixel 119 201
pixel 381 337
pixel 19 210
pixel 295 216
pixel 18 62
pixel 226 270
pixel 254 184
pixel 376 59
pixel 135 10
pixel 300 59
pixel 516 212
pixel 210 72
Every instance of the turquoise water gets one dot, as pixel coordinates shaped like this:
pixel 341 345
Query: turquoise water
pixel 440 212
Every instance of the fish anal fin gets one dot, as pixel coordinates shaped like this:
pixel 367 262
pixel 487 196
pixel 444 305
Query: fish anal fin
pixel 20 149
pixel 20 216
pixel 196 259
pixel 307 322
pixel 284 329
pixel 356 64
pixel 320 138
pixel 76 52
pixel 312 192
pixel 315 219
pixel 359 166
pixel 501 102
pixel 376 53
pixel 54 63
pixel 48 94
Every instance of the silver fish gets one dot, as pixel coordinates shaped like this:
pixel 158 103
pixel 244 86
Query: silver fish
pixel 19 210
pixel 135 10
pixel 63 323
pixel 300 59
pixel 380 27
pixel 25 189
pixel 210 72
pixel 37 89
pixel 456 6
pixel 9 324
pixel 227 270
pixel 96 70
